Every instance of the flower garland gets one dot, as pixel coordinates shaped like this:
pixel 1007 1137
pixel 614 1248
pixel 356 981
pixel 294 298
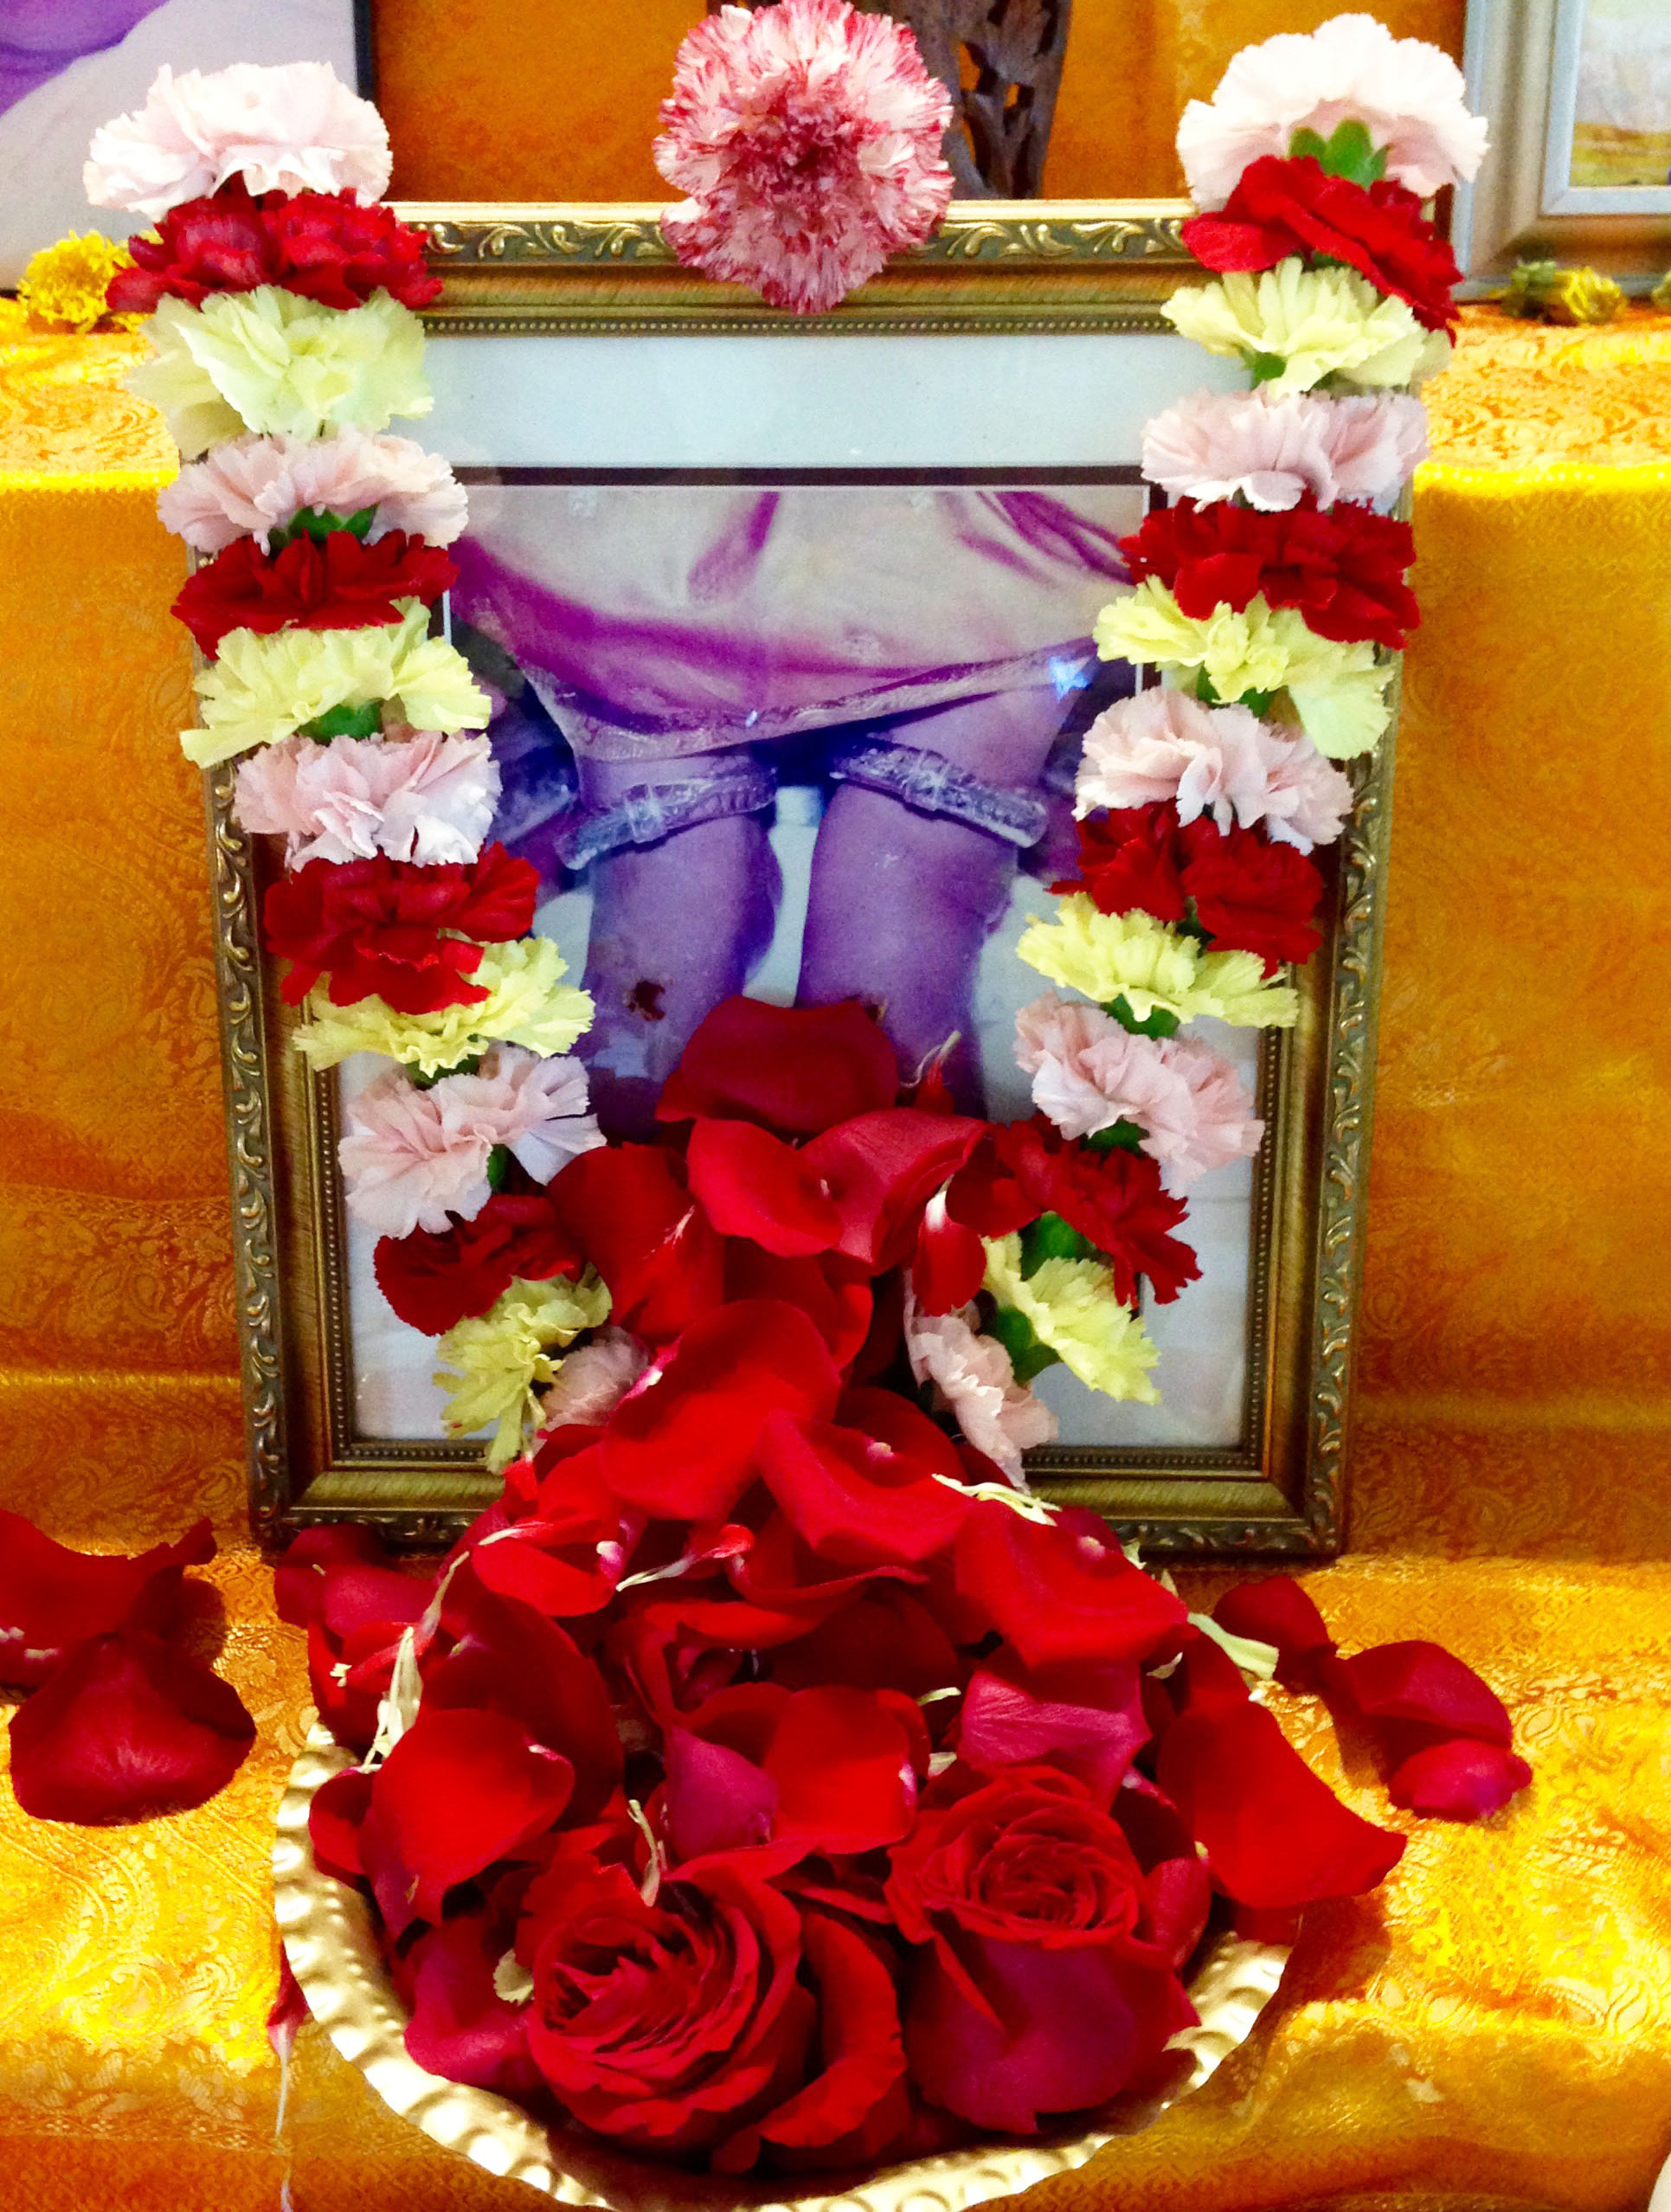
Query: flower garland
pixel 768 1778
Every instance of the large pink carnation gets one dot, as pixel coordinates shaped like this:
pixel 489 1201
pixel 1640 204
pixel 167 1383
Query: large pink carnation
pixel 412 1156
pixel 428 798
pixel 1088 1072
pixel 293 127
pixel 250 486
pixel 807 136
pixel 1272 450
pixel 1220 760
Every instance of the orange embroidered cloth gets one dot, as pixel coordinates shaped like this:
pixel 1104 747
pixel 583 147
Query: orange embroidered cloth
pixel 1493 2029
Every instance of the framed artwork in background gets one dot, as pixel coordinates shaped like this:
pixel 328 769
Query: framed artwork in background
pixel 755 552
pixel 1578 93
pixel 68 65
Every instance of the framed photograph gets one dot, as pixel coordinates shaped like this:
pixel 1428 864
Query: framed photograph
pixel 712 541
pixel 1578 93
pixel 68 65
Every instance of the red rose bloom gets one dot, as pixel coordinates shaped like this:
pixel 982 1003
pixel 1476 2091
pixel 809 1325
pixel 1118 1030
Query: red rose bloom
pixel 375 926
pixel 324 245
pixel 1048 1978
pixel 1342 570
pixel 1283 207
pixel 338 583
pixel 434 1282
pixel 679 2022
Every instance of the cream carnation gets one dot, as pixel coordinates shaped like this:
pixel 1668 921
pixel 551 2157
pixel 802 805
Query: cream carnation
pixel 251 486
pixel 492 1367
pixel 1409 97
pixel 1152 967
pixel 412 1156
pixel 1088 1072
pixel 1070 1305
pixel 428 798
pixel 292 128
pixel 974 1381
pixel 1163 743
pixel 1317 322
pixel 270 361
pixel 527 1003
pixel 1272 448
pixel 1339 691
pixel 263 687
pixel 808 137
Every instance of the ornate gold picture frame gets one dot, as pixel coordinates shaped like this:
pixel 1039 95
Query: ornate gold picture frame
pixel 1034 270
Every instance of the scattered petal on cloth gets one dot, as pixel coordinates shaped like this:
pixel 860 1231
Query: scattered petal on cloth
pixel 52 1597
pixel 126 1727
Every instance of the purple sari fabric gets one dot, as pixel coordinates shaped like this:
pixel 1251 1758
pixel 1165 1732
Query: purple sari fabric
pixel 39 38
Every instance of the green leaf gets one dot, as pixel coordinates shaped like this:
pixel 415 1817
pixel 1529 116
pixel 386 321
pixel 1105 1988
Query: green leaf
pixel 1258 702
pixel 1263 366
pixel 1015 1333
pixel 1161 1021
pixel 468 1065
pixel 1350 152
pixel 498 1161
pixel 320 522
pixel 1306 146
pixel 1051 1238
pixel 1124 1137
pixel 363 721
pixel 1205 691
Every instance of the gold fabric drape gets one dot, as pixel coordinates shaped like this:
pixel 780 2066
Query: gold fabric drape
pixel 1494 2029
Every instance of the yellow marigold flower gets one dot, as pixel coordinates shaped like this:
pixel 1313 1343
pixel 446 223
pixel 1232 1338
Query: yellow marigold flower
pixel 1339 691
pixel 1546 291
pixel 270 361
pixel 1070 1305
pixel 1298 325
pixel 263 688
pixel 1134 957
pixel 63 288
pixel 489 1366
pixel 527 1003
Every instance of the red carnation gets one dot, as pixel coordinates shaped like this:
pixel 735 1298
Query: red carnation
pixel 1129 860
pixel 1342 570
pixel 338 583
pixel 324 245
pixel 1114 1200
pixel 1252 895
pixel 434 1282
pixel 1283 207
pixel 375 926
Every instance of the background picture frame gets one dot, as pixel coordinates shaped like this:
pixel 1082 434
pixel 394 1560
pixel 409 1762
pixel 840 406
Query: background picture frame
pixel 1545 72
pixel 1025 340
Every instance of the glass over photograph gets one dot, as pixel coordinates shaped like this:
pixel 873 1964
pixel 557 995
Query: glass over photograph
pixel 811 735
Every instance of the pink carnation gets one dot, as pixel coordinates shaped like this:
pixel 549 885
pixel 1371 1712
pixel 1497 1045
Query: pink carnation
pixel 1272 451
pixel 428 798
pixel 295 128
pixel 807 136
pixel 974 1379
pixel 251 486
pixel 1223 760
pixel 411 1157
pixel 1089 1073
pixel 593 1380
pixel 1408 95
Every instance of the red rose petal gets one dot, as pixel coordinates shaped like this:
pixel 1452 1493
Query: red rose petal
pixel 1062 1590
pixel 1425 1685
pixel 460 2027
pixel 461 1789
pixel 334 1821
pixel 841 1759
pixel 51 1597
pixel 796 1070
pixel 950 1262
pixel 854 1499
pixel 1088 1719
pixel 882 1169
pixel 627 1209
pixel 126 1727
pixel 715 1798
pixel 682 1441
pixel 1274 1835
pixel 1277 1611
pixel 300 1577
pixel 833 1292
pixel 751 1183
pixel 1458 1780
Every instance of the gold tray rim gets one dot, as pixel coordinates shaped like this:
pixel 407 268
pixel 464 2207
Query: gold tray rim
pixel 326 1929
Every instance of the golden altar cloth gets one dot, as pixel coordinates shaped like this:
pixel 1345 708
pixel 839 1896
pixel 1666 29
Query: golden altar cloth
pixel 1494 2029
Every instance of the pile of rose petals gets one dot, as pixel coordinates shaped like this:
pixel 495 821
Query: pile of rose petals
pixel 761 1783
pixel 121 1723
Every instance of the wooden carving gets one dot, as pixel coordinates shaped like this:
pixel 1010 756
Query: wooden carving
pixel 1001 60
